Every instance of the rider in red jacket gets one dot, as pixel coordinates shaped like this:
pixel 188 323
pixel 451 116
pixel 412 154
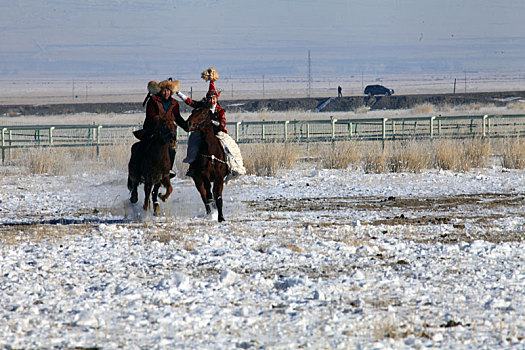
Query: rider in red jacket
pixel 161 104
pixel 218 120
pixel 212 97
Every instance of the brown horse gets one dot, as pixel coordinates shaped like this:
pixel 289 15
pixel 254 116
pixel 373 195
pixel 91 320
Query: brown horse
pixel 150 163
pixel 210 165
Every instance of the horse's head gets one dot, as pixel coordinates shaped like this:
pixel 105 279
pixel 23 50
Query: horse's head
pixel 199 119
pixel 166 129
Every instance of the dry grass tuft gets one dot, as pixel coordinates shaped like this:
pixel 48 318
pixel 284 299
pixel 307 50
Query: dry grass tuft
pixel 339 155
pixel 424 108
pixel 513 154
pixel 410 156
pixel 11 235
pixel 477 152
pixel 115 157
pixel 46 160
pixel 461 155
pixel 266 159
pixel 517 106
pixel 293 247
pixel 374 161
pixel 68 161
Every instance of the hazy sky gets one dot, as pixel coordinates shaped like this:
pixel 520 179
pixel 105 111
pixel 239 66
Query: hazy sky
pixel 117 38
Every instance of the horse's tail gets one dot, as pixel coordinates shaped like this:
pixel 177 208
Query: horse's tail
pixel 130 184
pixel 132 165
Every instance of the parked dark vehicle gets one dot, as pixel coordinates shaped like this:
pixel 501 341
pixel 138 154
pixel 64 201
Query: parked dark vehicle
pixel 372 90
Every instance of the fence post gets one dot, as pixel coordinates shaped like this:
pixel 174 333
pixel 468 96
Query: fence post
pixel 10 142
pixel 3 144
pixel 439 126
pixel 432 126
pixel 99 130
pixel 483 126
pixel 308 131
pixel 393 129
pixel 262 131
pixel 383 133
pixel 237 128
pixel 286 130
pixel 51 128
pixel 333 129
pixel 350 130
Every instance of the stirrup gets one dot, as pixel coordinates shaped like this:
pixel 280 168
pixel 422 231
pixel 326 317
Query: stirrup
pixel 172 174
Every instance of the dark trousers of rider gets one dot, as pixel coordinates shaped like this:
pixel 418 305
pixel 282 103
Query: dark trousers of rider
pixel 193 146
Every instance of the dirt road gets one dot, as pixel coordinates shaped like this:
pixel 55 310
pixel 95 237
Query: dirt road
pixel 349 103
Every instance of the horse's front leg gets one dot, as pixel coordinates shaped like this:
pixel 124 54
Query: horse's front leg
pixel 205 196
pixel 132 186
pixel 147 190
pixel 217 194
pixel 154 195
pixel 167 184
pixel 209 195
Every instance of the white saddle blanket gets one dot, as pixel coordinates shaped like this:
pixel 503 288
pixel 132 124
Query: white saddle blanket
pixel 233 154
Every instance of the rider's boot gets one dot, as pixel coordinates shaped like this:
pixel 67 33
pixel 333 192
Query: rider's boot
pixel 191 171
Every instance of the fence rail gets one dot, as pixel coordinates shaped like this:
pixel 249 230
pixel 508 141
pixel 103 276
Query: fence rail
pixel 399 128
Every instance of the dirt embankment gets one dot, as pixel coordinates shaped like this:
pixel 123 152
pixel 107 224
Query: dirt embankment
pixel 349 103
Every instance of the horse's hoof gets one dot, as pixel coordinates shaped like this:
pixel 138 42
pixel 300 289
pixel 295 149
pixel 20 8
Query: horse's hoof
pixel 134 197
pixel 221 219
pixel 162 197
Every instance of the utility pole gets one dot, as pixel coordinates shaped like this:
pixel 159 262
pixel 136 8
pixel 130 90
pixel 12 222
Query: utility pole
pixel 309 74
pixel 465 81
pixel 454 86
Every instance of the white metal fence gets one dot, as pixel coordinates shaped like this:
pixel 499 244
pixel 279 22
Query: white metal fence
pixel 400 128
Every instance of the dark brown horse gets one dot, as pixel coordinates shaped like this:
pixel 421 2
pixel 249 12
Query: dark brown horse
pixel 210 165
pixel 150 163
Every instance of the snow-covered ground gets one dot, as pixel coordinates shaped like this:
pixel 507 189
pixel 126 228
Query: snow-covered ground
pixel 307 259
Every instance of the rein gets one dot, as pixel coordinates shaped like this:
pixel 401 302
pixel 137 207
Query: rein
pixel 213 159
pixel 169 133
pixel 202 124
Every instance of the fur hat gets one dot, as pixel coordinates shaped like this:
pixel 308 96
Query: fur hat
pixel 210 74
pixel 155 88
pixel 169 84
